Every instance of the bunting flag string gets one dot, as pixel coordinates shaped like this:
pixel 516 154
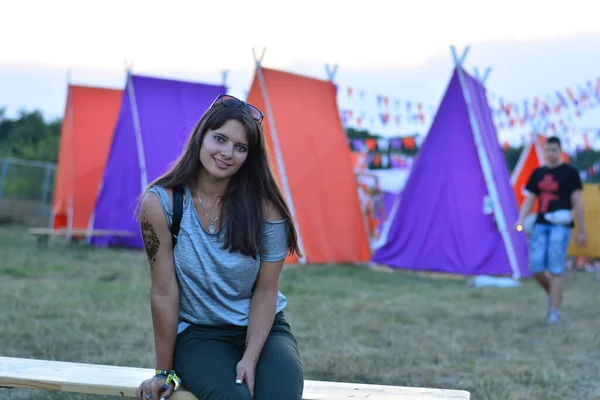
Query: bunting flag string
pixel 574 139
pixel 577 140
pixel 551 113
pixel 377 112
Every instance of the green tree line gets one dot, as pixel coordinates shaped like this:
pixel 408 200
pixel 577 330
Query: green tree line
pixel 29 136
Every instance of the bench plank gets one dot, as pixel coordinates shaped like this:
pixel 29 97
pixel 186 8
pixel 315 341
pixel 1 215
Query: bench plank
pixel 121 381
pixel 76 232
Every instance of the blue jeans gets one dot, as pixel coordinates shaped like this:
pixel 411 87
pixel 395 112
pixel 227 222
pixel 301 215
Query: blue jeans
pixel 548 248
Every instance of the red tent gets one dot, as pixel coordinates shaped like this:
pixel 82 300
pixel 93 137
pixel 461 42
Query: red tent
pixel 313 164
pixel 87 129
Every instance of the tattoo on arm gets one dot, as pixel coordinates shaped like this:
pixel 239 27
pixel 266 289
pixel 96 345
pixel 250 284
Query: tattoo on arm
pixel 151 241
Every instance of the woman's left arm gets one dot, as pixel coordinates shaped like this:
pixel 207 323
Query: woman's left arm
pixel 262 313
pixel 264 299
pixel 262 308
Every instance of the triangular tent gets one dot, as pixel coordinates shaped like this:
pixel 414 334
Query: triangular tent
pixel 155 120
pixel 312 161
pixel 88 124
pixel 444 221
pixel 531 158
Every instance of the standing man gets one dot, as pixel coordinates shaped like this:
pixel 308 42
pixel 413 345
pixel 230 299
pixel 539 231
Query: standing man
pixel 558 189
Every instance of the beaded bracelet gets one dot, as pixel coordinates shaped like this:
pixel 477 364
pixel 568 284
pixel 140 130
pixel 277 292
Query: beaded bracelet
pixel 170 376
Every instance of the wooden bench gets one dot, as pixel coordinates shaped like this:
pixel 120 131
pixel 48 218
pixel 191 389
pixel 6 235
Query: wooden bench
pixel 43 234
pixel 62 376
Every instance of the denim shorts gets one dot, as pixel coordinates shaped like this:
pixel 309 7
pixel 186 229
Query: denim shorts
pixel 548 248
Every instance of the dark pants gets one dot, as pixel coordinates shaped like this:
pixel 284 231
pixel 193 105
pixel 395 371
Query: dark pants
pixel 206 357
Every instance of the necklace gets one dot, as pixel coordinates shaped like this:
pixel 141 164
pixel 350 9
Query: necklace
pixel 211 225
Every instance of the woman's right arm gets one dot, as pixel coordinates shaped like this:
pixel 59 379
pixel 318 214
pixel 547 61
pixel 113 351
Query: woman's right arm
pixel 164 292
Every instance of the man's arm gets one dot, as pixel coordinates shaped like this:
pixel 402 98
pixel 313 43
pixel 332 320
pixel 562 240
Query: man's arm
pixel 533 191
pixel 577 202
pixel 526 208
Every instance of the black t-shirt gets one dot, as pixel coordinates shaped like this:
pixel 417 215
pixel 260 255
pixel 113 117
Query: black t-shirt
pixel 553 188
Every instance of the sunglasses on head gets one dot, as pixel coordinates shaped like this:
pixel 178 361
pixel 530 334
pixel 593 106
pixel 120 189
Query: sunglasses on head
pixel 230 101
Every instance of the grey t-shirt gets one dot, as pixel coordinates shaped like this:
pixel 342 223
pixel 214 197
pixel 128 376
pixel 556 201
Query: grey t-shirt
pixel 215 285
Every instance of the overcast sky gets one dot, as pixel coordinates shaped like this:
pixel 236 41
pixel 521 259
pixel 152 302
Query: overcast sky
pixel 398 48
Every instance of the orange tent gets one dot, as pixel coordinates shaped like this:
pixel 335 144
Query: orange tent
pixel 89 120
pixel 313 164
pixel 531 158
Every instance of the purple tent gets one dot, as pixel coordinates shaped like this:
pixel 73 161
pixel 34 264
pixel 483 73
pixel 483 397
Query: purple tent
pixel 442 223
pixel 156 118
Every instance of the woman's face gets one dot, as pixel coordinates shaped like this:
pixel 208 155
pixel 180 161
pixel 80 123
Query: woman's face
pixel 224 150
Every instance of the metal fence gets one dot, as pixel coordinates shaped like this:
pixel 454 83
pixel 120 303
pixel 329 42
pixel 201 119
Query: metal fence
pixel 26 191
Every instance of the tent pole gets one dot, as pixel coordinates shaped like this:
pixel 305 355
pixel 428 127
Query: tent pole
pixel 277 148
pixel 331 72
pixel 482 78
pixel 485 165
pixel 52 212
pixel 486 74
pixel 137 128
pixel 92 219
pixel 224 75
pixel 71 167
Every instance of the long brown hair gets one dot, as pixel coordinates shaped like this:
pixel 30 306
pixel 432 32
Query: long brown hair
pixel 253 183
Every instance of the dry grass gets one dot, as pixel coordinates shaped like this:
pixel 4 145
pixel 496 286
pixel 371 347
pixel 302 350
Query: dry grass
pixel 14 210
pixel 72 303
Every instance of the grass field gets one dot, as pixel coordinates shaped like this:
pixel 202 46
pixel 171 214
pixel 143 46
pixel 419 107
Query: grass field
pixel 71 303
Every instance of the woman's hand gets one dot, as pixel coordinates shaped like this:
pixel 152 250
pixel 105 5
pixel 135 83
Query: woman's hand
pixel 150 389
pixel 245 371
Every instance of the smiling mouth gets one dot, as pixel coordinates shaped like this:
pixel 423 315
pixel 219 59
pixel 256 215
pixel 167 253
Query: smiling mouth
pixel 221 163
